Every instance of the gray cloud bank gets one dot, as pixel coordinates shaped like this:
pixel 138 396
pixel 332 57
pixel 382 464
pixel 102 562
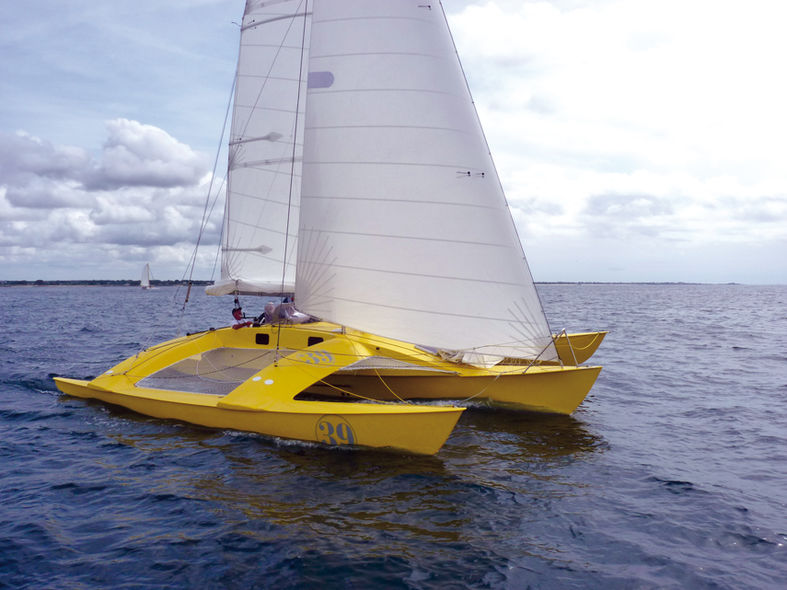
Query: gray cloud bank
pixel 141 198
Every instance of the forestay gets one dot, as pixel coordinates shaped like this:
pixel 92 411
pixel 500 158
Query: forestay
pixel 404 228
pixel 265 151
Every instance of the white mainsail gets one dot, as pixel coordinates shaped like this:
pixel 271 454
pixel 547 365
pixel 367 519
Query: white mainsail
pixel 404 228
pixel 265 151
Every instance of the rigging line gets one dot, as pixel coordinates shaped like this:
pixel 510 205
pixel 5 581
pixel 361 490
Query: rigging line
pixel 292 163
pixel 221 232
pixel 487 386
pixel 538 356
pixel 358 395
pixel 164 347
pixel 570 347
pixel 209 209
pixel 376 372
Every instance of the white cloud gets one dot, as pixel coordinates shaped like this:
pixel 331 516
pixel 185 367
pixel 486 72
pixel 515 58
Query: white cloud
pixel 146 193
pixel 641 123
pixel 142 155
pixel 24 156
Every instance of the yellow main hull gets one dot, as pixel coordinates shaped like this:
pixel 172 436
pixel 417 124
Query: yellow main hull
pixel 323 383
pixel 546 389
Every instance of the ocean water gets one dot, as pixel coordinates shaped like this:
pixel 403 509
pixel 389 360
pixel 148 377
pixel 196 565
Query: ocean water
pixel 672 474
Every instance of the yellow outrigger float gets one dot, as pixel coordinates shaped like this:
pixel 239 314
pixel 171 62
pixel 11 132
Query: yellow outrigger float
pixel 575 349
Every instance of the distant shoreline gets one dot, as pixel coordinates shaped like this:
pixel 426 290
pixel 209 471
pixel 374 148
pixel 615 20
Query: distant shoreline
pixel 163 283
pixel 98 283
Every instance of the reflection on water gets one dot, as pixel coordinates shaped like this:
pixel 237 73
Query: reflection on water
pixel 529 436
pixel 497 469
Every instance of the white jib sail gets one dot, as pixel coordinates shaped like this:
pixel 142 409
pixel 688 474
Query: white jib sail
pixel 265 151
pixel 404 228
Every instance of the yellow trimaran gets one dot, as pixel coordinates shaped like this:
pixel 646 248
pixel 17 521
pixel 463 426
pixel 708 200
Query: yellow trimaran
pixel 284 390
pixel 359 179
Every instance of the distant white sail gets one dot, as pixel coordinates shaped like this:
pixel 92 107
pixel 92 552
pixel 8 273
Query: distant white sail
pixel 404 228
pixel 145 280
pixel 265 152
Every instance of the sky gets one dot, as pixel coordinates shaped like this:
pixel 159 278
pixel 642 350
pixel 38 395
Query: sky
pixel 636 140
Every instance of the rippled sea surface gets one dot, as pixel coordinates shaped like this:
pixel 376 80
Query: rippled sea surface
pixel 672 474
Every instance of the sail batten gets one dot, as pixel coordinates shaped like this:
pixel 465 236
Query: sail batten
pixel 408 127
pixel 267 137
pixel 403 273
pixel 262 165
pixel 460 168
pixel 379 236
pixel 373 199
pixel 365 54
pixel 282 17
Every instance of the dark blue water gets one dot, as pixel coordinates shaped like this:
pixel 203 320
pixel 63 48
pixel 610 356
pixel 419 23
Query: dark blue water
pixel 672 474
